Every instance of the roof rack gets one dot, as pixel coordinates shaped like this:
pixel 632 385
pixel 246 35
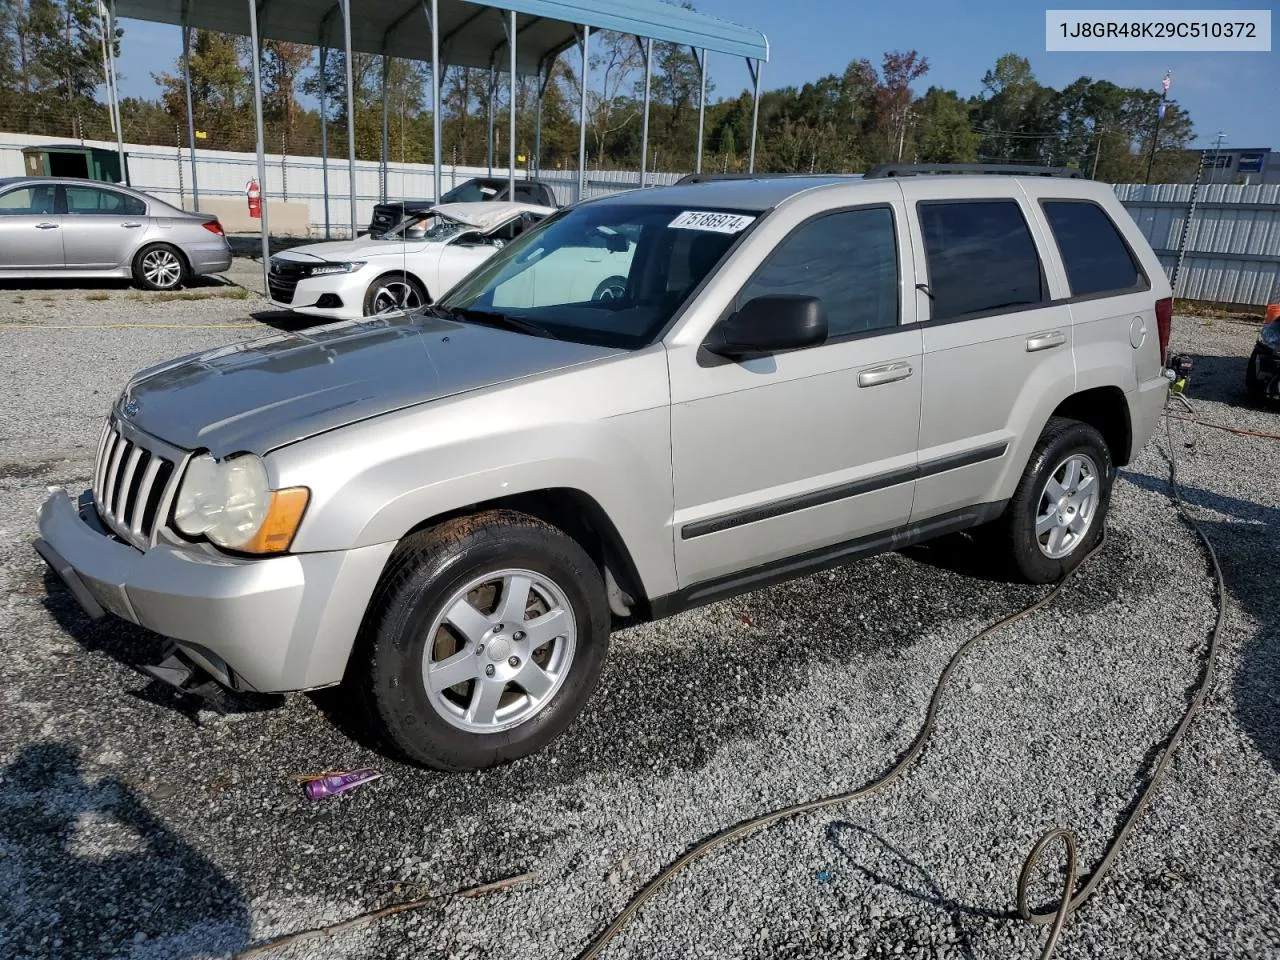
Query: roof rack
pixel 1007 169
pixel 710 177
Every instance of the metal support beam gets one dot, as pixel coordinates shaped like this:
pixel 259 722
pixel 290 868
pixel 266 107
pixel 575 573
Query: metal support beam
pixel 488 146
pixel 114 87
pixel 646 51
pixel 386 134
pixel 262 156
pixel 755 66
pixel 582 112
pixel 535 162
pixel 324 129
pixel 511 111
pixel 702 56
pixel 437 149
pixel 351 111
pixel 186 82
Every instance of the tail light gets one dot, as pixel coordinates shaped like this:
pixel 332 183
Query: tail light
pixel 1164 325
pixel 213 226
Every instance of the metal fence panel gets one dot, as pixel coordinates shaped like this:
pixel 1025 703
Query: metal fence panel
pixel 1232 242
pixel 165 173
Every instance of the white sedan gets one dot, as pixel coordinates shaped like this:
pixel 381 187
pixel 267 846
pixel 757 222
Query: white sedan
pixel 411 265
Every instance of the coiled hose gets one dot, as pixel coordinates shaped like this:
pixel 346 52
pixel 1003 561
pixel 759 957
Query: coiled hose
pixel 1071 899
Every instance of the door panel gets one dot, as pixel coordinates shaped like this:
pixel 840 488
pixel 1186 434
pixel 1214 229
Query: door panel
pixel 990 367
pixel 102 227
pixel 776 456
pixel 30 229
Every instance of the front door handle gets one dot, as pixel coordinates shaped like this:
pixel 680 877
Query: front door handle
pixel 130 226
pixel 1046 341
pixel 46 226
pixel 874 376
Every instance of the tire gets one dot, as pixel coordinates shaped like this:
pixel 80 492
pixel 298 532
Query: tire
pixel 402 642
pixel 611 288
pixel 158 266
pixel 1255 390
pixel 1075 529
pixel 393 292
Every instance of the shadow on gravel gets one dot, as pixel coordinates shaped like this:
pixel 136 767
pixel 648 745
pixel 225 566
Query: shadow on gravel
pixel 89 871
pixel 286 320
pixel 880 862
pixel 1218 380
pixel 1246 548
pixel 207 282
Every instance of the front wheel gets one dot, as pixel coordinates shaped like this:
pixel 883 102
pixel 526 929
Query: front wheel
pixel 393 293
pixel 1254 387
pixel 484 639
pixel 1057 513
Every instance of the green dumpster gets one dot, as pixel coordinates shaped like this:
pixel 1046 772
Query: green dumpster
pixel 69 160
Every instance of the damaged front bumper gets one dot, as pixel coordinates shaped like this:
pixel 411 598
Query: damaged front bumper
pixel 269 625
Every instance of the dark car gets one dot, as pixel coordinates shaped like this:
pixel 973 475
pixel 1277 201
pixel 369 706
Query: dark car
pixel 1262 375
pixel 387 215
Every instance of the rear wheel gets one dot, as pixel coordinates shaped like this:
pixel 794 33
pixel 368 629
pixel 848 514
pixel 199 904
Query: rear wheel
pixel 159 267
pixel 1057 513
pixel 393 293
pixel 483 641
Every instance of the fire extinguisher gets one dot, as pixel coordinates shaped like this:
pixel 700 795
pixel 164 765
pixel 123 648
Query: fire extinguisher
pixel 254 193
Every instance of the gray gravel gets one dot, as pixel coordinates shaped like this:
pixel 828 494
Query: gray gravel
pixel 131 827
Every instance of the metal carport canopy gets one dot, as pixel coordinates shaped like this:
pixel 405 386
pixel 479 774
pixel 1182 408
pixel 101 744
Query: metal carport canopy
pixel 471 34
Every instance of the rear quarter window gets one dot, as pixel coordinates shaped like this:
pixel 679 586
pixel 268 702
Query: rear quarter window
pixel 1096 258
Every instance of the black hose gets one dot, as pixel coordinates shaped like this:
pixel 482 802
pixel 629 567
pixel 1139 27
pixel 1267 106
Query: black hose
pixel 1071 900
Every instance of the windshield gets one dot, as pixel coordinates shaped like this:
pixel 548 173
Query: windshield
pixel 470 192
pixel 607 274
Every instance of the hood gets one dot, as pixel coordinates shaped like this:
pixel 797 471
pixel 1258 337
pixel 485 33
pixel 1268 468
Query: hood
pixel 260 395
pixel 338 251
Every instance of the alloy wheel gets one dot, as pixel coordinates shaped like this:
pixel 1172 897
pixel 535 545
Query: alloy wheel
pixel 1067 506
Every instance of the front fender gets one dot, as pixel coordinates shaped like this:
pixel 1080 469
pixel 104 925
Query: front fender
pixel 603 431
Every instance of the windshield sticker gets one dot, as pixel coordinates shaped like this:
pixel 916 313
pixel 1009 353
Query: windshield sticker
pixel 714 222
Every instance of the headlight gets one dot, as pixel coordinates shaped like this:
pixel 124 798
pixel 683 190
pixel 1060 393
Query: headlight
pixel 325 269
pixel 1270 335
pixel 231 503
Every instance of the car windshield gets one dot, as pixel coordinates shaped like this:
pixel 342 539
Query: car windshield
pixel 470 192
pixel 609 274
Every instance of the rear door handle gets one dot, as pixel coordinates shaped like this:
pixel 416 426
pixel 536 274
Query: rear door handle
pixel 130 226
pixel 874 376
pixel 46 226
pixel 1046 341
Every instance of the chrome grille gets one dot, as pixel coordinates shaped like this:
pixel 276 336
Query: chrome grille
pixel 133 483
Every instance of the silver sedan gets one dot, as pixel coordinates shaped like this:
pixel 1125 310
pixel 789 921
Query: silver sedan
pixel 53 228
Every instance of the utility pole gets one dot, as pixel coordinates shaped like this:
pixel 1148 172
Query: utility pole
pixel 1155 139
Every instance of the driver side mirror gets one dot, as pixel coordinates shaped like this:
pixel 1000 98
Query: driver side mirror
pixel 768 325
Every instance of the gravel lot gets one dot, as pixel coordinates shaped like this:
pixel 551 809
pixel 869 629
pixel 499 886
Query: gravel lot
pixel 132 826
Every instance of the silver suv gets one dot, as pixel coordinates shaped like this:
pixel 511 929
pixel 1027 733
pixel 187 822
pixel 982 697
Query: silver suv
pixel 447 511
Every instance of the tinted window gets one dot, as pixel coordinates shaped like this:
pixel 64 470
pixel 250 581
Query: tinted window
pixel 26 201
pixel 1093 252
pixel 848 260
pixel 90 200
pixel 981 257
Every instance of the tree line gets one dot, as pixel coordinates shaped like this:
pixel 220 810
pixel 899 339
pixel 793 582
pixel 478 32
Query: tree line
pixel 52 55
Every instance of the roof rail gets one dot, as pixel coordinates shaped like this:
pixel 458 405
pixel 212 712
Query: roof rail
pixel 1007 169
pixel 710 177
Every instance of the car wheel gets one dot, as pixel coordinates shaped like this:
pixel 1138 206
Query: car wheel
pixel 484 639
pixel 611 288
pixel 1057 513
pixel 393 293
pixel 159 267
pixel 1254 387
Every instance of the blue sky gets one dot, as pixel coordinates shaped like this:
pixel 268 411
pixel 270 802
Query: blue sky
pixel 1237 93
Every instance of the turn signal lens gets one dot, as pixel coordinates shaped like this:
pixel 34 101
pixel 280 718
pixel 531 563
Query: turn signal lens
pixel 284 516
